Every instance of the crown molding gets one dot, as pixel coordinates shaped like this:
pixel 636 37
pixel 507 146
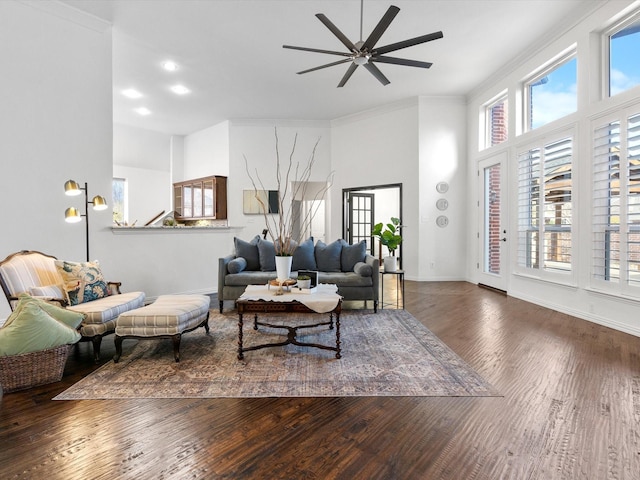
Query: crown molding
pixel 69 13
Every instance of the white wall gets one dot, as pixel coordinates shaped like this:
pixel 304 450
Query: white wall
pixel 576 296
pixel 379 147
pixel 56 123
pixel 143 158
pixel 443 158
pixel 206 153
pixel 255 141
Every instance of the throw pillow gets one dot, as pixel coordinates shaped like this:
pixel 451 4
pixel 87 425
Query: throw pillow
pixel 50 291
pixel 352 254
pixel 83 281
pixel 267 252
pixel 32 329
pixel 237 265
pixel 363 269
pixel 328 256
pixel 68 317
pixel 304 256
pixel 248 251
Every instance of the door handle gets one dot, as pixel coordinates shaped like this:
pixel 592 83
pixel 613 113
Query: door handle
pixel 503 239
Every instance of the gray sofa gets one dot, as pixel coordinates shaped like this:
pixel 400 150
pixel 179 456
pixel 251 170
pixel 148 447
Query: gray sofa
pixel 355 272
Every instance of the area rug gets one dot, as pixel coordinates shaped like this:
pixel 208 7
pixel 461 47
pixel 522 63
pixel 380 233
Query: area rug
pixel 388 353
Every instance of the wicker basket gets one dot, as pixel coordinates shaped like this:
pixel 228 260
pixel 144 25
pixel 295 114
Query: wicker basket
pixel 18 372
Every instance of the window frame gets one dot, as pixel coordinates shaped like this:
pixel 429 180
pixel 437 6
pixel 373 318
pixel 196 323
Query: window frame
pixel 539 270
pixel 599 279
pixel 606 52
pixel 564 57
pixel 487 134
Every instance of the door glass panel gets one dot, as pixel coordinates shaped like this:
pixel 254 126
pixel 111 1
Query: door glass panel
pixel 492 243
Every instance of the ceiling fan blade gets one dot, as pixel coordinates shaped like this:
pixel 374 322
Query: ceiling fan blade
pixel 375 71
pixel 324 66
pixel 382 26
pixel 317 50
pixel 347 75
pixel 400 61
pixel 407 43
pixel 341 36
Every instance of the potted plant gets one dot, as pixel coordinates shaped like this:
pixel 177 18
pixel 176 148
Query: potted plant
pixel 304 281
pixel 389 237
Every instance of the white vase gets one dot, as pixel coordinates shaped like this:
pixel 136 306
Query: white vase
pixel 390 264
pixel 304 283
pixel 283 267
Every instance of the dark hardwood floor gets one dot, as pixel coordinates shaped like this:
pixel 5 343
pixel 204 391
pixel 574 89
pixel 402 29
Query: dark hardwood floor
pixel 570 410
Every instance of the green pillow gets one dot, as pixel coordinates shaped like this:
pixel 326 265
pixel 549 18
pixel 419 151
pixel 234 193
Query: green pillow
pixel 32 329
pixel 68 317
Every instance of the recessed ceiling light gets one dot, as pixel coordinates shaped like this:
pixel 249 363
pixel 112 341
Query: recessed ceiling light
pixel 170 66
pixel 180 89
pixel 131 93
pixel 142 111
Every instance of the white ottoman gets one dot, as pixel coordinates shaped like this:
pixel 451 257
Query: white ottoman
pixel 168 317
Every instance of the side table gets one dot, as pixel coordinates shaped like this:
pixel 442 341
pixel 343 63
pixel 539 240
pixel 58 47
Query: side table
pixel 399 276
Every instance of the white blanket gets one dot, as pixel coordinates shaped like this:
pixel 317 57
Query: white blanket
pixel 323 300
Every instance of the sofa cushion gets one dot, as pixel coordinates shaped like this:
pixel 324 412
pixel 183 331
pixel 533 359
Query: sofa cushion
pixel 345 279
pixel 68 317
pixel 108 308
pixel 352 254
pixel 249 278
pixel 328 256
pixel 304 256
pixel 32 329
pixel 237 265
pixel 248 251
pixel 363 269
pixel 267 252
pixel 83 281
pixel 49 291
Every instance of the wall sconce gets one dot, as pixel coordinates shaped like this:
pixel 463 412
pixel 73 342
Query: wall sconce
pixel 73 215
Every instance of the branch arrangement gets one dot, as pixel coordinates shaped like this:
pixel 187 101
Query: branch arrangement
pixel 292 181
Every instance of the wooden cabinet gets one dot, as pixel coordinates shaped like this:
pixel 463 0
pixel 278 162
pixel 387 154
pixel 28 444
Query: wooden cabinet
pixel 202 198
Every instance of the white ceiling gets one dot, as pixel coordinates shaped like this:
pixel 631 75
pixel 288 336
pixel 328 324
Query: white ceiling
pixel 231 57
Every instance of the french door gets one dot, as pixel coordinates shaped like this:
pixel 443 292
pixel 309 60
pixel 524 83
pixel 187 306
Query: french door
pixel 361 213
pixel 492 229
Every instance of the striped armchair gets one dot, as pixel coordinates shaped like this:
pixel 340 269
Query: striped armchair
pixel 35 274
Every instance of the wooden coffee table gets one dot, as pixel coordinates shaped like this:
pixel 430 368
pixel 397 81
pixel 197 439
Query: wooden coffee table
pixel 293 306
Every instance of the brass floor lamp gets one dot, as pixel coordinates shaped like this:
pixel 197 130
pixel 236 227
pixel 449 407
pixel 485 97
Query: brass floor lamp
pixel 72 215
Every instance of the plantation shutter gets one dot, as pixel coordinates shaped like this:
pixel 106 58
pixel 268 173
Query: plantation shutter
pixel 528 205
pixel 557 205
pixel 633 200
pixel 606 203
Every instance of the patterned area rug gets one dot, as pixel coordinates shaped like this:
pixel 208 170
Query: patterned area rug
pixel 388 353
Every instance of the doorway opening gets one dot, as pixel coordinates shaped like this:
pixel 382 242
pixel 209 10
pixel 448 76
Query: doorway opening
pixel 363 207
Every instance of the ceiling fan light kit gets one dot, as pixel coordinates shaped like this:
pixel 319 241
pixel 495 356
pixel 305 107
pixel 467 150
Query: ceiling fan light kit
pixel 365 53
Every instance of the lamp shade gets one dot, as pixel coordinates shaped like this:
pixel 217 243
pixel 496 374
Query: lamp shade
pixel 72 215
pixel 99 203
pixel 72 188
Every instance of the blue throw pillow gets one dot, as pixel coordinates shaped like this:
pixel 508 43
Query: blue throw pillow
pixel 267 252
pixel 352 254
pixel 304 256
pixel 328 256
pixel 237 265
pixel 248 251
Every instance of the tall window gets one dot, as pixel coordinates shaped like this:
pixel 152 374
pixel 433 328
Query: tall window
pixel 616 203
pixel 545 206
pixel 552 93
pixel 496 121
pixel 624 69
pixel 119 201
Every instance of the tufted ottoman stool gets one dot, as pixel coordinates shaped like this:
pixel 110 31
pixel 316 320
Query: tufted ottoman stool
pixel 168 317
